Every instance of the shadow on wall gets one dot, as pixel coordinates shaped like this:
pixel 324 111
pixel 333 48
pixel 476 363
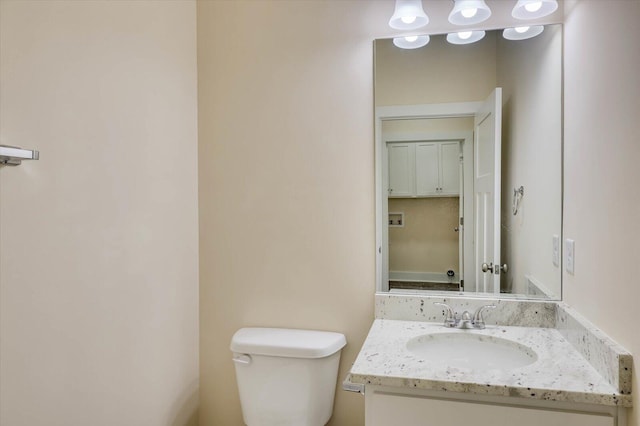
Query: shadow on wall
pixel 184 411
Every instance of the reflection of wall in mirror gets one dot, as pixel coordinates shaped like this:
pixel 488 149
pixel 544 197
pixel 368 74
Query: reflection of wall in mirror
pixel 427 242
pixel 531 139
pixel 436 73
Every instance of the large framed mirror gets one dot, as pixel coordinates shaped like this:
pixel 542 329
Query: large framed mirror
pixel 469 166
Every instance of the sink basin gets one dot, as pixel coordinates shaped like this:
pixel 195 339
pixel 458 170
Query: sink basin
pixel 471 351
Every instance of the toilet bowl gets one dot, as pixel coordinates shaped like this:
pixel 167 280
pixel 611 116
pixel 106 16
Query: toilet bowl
pixel 286 377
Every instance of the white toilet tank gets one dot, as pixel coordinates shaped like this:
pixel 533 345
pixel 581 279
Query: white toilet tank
pixel 286 377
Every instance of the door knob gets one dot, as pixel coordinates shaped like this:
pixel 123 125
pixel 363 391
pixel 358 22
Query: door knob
pixel 504 268
pixel 456 229
pixel 487 267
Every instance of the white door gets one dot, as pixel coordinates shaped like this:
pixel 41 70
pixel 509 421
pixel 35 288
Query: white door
pixel 461 248
pixel 487 162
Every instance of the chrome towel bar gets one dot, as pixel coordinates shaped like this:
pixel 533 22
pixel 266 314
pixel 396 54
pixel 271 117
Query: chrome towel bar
pixel 13 156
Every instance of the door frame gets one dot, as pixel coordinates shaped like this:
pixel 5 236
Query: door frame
pixel 408 112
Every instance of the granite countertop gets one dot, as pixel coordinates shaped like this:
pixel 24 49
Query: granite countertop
pixel 560 373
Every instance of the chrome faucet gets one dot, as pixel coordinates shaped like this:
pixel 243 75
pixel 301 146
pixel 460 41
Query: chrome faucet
pixel 478 319
pixel 450 319
pixel 466 321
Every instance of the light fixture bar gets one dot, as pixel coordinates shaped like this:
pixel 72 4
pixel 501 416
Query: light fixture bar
pixel 13 156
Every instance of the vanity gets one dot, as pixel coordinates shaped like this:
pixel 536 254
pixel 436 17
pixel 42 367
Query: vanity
pixel 535 363
pixel 468 178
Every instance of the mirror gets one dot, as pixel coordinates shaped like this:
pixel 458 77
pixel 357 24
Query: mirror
pixel 469 166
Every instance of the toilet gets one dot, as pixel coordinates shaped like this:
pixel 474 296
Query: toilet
pixel 286 377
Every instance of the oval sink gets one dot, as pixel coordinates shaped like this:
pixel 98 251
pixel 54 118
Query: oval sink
pixel 471 351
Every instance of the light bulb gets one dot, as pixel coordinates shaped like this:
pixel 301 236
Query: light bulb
pixel 469 13
pixel 411 42
pixel 464 34
pixel 533 7
pixel 408 15
pixel 522 33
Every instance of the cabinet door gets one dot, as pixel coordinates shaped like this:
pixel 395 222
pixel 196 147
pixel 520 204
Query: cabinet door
pixel 449 168
pixel 401 173
pixel 427 173
pixel 383 409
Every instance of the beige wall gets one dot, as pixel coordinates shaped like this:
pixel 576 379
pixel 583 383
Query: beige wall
pixel 427 242
pixel 98 247
pixel 440 126
pixel 530 74
pixel 602 148
pixel 286 203
pixel 436 73
pixel 103 329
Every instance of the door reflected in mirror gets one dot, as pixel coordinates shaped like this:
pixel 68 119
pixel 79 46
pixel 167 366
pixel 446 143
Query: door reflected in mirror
pixel 469 166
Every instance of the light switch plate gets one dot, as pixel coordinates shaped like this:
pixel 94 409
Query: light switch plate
pixel 556 251
pixel 570 255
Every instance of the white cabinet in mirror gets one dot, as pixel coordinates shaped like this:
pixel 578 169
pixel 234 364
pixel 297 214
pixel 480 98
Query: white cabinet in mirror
pixel 424 169
pixel 457 129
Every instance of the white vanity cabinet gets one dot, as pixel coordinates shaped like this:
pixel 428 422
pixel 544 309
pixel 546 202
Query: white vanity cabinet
pixel 384 407
pixel 423 169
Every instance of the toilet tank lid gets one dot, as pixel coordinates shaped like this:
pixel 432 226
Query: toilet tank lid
pixel 286 342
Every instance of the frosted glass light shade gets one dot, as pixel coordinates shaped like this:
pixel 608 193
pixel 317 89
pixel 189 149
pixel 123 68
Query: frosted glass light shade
pixel 411 42
pixel 467 12
pixel 522 33
pixel 532 9
pixel 461 37
pixel 408 15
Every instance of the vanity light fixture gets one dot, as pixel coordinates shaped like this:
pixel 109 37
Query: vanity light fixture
pixel 411 42
pixel 532 9
pixel 408 15
pixel 468 12
pixel 522 33
pixel 465 37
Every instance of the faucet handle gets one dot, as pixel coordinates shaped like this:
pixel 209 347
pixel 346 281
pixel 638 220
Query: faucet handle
pixel 449 317
pixel 478 318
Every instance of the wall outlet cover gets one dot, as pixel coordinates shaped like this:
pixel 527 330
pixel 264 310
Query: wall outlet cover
pixel 570 255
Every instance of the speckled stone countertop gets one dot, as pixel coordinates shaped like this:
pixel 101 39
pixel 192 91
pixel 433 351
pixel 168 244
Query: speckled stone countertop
pixel 563 370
